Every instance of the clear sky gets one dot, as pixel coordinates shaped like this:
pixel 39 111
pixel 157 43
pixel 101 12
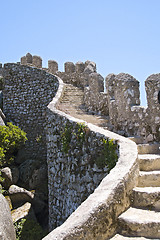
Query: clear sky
pixel 119 35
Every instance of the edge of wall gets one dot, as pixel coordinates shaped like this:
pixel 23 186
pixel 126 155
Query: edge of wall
pixel 110 198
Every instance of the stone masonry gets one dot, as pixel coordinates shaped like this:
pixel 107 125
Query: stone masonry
pixel 120 101
pixel 27 93
pixel 29 88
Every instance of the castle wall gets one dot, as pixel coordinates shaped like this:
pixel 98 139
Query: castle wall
pixel 73 174
pixel 126 114
pixel 73 177
pixel 26 94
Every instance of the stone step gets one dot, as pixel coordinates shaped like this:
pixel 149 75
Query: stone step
pixel 146 197
pixel 149 148
pixel 139 223
pixel 121 237
pixel 136 139
pixel 148 162
pixel 149 179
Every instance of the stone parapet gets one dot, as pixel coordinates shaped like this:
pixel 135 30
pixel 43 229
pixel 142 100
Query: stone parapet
pixel 96 217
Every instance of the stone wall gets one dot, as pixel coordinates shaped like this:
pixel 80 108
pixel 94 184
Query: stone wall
pixel 120 102
pixel 125 112
pixel 26 94
pixel 74 176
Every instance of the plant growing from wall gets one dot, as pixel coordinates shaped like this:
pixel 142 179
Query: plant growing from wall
pixel 108 156
pixel 66 137
pixel 11 140
pixel 79 132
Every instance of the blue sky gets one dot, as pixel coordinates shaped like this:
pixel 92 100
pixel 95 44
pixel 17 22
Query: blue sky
pixel 119 35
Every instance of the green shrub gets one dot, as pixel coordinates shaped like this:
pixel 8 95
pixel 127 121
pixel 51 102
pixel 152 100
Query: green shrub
pixel 108 156
pixel 11 140
pixel 28 229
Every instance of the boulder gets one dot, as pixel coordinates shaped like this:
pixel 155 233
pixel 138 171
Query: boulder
pixel 19 195
pixel 10 175
pixel 7 230
pixel 24 211
pixel 7 175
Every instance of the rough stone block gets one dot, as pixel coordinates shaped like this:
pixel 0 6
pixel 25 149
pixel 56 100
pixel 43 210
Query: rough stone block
pixel 23 60
pixel 69 67
pixel 80 66
pixel 29 58
pixel 37 61
pixel 52 66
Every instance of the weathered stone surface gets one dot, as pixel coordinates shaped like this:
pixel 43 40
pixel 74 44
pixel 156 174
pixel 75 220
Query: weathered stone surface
pixel 37 61
pixel 121 237
pixel 28 58
pixel 87 222
pixel 149 178
pixel 79 67
pixel 27 92
pixel 20 195
pixel 10 175
pixel 6 225
pixel 149 162
pixel 69 67
pixel 23 212
pixel 140 222
pixel 52 66
pixel 147 197
pixel 7 175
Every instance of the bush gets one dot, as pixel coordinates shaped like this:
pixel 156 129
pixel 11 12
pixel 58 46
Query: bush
pixel 28 229
pixel 11 140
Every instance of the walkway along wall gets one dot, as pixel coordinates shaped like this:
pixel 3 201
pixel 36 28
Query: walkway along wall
pixel 120 102
pixel 27 93
pixel 96 217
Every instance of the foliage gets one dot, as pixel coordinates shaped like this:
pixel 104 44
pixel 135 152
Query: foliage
pixel 11 140
pixel 28 229
pixel 81 132
pixel 39 138
pixel 108 156
pixel 66 137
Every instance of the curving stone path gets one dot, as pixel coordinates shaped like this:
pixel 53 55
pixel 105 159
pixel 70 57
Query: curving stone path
pixel 72 103
pixel 142 220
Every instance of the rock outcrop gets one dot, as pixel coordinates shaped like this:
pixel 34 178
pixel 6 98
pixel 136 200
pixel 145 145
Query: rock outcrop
pixel 7 231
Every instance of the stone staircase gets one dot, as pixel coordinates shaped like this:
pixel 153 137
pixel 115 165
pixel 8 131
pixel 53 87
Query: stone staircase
pixel 72 103
pixel 142 219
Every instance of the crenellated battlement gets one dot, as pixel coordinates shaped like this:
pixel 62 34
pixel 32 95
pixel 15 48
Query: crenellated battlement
pixel 120 101
pixel 31 95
